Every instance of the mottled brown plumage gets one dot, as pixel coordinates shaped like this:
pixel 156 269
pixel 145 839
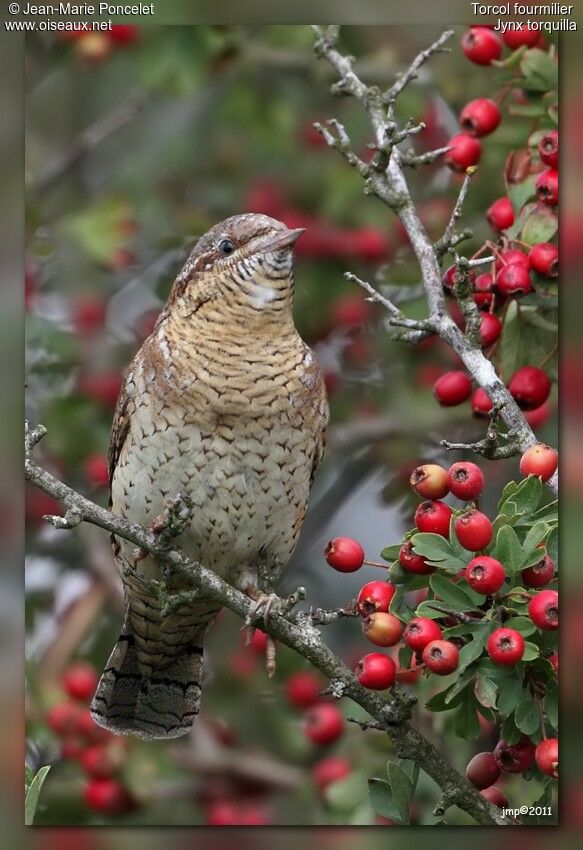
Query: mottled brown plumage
pixel 226 403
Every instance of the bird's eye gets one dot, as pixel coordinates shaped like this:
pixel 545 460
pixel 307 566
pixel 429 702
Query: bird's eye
pixel 226 247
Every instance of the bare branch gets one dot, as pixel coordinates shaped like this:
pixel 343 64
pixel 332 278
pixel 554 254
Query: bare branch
pixel 444 244
pixel 411 73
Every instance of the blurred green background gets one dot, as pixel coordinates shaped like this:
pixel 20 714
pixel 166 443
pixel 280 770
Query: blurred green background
pixel 134 148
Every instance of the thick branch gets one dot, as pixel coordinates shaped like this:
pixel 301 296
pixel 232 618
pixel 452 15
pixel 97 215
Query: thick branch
pixel 296 631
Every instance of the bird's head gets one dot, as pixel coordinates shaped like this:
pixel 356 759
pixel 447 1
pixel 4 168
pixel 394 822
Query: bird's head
pixel 245 259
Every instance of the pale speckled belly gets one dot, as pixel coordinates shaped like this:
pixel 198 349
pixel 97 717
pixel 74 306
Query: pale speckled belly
pixel 248 480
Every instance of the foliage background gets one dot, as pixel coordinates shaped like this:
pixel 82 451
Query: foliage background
pixel 222 125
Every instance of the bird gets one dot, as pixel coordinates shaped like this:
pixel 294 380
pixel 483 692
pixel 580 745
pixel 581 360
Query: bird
pixel 226 405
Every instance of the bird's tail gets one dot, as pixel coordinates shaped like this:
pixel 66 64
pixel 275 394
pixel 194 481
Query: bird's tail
pixel 151 686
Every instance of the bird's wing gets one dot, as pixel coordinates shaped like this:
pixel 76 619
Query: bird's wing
pixel 317 413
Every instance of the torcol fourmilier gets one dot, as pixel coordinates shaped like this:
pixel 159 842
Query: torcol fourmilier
pixel 502 10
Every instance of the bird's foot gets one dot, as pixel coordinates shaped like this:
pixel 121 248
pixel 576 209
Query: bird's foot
pixel 265 604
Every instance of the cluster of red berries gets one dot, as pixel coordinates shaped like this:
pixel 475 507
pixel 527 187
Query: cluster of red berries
pixel 485 768
pixel 483 46
pixel 101 755
pixel 484 574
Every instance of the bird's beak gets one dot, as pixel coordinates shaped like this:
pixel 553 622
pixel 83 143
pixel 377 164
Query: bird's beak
pixel 282 239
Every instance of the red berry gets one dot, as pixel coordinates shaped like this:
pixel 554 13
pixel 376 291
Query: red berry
pixel 350 310
pixel 323 723
pixel 344 554
pixel 496 797
pixel 421 631
pixel 383 629
pixel 481 45
pixel 473 530
pixel 433 517
pixel 540 460
pixel 124 34
pixel 88 728
pixel 484 290
pixel 547 757
pixel 303 688
pixel 480 117
pixel 505 647
pixel 539 416
pixel 490 329
pixel 464 152
pixel 375 596
pixel 465 480
pixel 97 470
pixel 530 387
pixel 258 643
pixel 376 671
pixel 554 662
pixel 88 314
pixel 511 257
pixel 93 46
pixel 80 680
pixel 481 404
pixel 543 609
pixel 500 214
pixel 482 770
pixel 514 758
pixel 103 387
pixel 62 718
pixel 513 279
pixel 452 388
pixel 411 562
pixel 544 259
pixel 548 148
pixel 547 187
pixel 441 657
pixel 485 575
pixel 518 38
pixel 107 796
pixel 330 770
pixel 429 481
pixel 539 574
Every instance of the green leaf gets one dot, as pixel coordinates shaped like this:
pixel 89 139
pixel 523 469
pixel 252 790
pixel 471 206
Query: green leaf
pixel 405 657
pixel 528 110
pixel 535 536
pixel 438 551
pixel 467 724
pixel 458 686
pixel 531 651
pixel 524 625
pixel 344 794
pixel 540 71
pixel 509 731
pixel 540 226
pixel 391 553
pixel 543 802
pixel 486 691
pixel 438 701
pixel 528 495
pixel 410 769
pixel 520 193
pixel 508 550
pixel 471 651
pixel 527 717
pixel 32 796
pixel 381 799
pixel 510 349
pixel 452 594
pixel 553 545
pixel 426 609
pixel 510 695
pixel 402 789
